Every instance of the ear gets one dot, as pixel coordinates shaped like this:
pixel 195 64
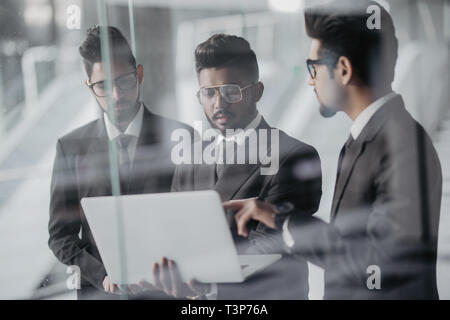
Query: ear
pixel 258 90
pixel 140 73
pixel 344 70
pixel 86 82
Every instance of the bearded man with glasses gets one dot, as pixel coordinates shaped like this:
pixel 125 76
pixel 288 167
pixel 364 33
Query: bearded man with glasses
pixel 82 163
pixel 229 89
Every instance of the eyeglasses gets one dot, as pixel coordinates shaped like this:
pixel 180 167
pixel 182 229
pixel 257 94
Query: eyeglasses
pixel 231 93
pixel 124 82
pixel 310 64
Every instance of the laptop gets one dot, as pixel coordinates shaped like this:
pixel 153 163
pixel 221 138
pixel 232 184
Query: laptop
pixel 134 231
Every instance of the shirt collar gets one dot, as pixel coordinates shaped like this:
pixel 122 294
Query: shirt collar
pixel 364 117
pixel 133 129
pixel 238 138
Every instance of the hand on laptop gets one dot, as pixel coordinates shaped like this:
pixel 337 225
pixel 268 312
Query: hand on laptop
pixel 251 208
pixel 166 277
pixel 109 286
pixel 118 289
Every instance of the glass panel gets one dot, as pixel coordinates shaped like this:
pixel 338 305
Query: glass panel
pixel 111 112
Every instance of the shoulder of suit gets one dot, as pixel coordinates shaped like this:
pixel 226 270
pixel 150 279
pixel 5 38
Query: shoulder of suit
pixel 74 141
pixel 401 132
pixel 292 146
pixel 87 130
pixel 400 124
pixel 393 119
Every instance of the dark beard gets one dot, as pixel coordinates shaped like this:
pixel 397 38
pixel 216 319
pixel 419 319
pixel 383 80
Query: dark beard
pixel 326 112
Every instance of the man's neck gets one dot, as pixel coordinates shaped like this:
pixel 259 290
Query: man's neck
pixel 123 124
pixel 360 98
pixel 244 125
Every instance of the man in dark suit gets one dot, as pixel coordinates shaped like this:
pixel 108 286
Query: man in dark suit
pixel 381 242
pixel 86 158
pixel 228 76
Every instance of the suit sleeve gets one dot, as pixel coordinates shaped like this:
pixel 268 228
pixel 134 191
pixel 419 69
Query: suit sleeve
pixel 65 224
pixel 401 228
pixel 298 181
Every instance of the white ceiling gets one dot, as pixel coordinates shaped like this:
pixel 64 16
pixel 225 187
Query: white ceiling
pixel 203 4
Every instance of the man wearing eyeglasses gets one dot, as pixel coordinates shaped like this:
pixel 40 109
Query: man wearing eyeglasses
pixel 229 90
pixel 381 242
pixel 82 164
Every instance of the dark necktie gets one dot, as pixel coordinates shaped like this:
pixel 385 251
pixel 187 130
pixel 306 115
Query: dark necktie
pixel 123 142
pixel 220 167
pixel 344 151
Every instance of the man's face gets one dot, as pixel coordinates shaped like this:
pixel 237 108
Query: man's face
pixel 125 92
pixel 328 92
pixel 222 114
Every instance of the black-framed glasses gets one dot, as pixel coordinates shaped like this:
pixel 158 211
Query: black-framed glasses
pixel 231 93
pixel 124 82
pixel 310 64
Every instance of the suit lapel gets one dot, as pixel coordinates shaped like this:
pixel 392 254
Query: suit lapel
pixel 234 176
pixel 94 164
pixel 204 176
pixel 369 132
pixel 350 158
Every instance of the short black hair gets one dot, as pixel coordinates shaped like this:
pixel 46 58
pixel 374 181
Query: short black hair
pixel 90 48
pixel 342 29
pixel 223 50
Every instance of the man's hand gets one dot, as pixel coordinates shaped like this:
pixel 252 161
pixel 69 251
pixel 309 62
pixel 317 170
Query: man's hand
pixel 118 289
pixel 166 277
pixel 251 209
pixel 109 286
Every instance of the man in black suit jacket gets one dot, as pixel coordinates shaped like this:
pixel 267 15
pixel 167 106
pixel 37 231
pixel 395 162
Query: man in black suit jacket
pixel 83 164
pixel 381 242
pixel 229 90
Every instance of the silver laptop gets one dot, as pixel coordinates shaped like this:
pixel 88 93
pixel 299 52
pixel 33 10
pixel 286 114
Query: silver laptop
pixel 134 231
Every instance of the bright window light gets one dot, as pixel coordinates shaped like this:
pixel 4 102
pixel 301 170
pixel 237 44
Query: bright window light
pixel 287 6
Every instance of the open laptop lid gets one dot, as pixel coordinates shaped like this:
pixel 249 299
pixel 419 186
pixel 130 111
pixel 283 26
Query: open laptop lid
pixel 187 227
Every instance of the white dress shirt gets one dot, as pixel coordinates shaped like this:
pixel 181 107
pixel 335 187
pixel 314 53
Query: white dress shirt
pixel 239 139
pixel 357 127
pixel 133 129
pixel 363 118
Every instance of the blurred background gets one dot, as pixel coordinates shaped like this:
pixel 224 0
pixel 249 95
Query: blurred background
pixel 43 96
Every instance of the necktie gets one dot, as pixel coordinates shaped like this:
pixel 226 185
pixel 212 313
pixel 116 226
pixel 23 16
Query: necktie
pixel 123 142
pixel 344 150
pixel 230 158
